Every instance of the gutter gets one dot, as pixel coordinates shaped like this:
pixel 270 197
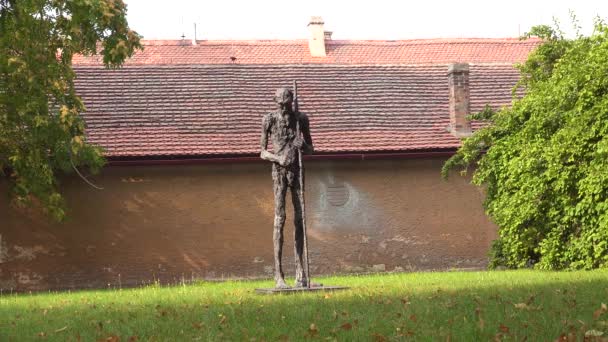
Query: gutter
pixel 254 159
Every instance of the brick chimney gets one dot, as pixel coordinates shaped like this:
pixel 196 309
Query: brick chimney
pixel 316 42
pixel 458 84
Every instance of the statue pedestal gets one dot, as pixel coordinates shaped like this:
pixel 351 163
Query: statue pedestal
pixel 301 289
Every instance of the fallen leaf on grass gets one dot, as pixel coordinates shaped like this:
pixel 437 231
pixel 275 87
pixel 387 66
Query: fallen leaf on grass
pixel 312 330
pixel 379 337
pixel 450 304
pixel 593 333
pixel 530 300
pixel 111 338
pixel 346 326
pixel 526 306
pixel 413 318
pixel 570 337
pixel 597 313
pixel 197 325
pixel 503 328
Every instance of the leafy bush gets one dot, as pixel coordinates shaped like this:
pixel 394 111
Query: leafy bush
pixel 544 160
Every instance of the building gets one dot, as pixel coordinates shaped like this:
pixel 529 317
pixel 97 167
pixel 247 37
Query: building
pixel 186 196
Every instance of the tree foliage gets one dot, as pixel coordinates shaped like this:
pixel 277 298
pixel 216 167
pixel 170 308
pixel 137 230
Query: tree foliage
pixel 544 160
pixel 41 131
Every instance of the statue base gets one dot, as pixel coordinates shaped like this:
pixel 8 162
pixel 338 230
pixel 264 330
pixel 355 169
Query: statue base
pixel 301 289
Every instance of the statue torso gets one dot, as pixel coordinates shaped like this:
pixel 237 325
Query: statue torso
pixel 283 132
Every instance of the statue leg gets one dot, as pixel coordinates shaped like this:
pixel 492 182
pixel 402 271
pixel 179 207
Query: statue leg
pixel 280 188
pixel 301 277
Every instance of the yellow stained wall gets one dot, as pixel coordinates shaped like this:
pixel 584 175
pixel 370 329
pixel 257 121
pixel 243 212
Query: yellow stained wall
pixel 170 223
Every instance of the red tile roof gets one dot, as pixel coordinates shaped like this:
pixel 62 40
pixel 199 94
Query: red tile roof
pixel 422 51
pixel 186 110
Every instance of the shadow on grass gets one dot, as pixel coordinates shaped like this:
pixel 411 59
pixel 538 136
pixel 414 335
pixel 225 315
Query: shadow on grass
pixel 518 306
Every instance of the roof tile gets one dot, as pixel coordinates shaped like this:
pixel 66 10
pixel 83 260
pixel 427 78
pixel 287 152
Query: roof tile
pixel 185 110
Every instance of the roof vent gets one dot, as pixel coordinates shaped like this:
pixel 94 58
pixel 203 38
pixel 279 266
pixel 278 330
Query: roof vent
pixel 337 194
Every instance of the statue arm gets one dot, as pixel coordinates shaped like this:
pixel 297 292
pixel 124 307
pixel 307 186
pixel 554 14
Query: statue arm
pixel 307 147
pixel 265 154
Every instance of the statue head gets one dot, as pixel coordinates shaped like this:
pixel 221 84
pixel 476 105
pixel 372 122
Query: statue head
pixel 283 97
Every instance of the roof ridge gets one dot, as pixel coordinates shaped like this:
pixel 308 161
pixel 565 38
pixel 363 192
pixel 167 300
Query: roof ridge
pixel 442 40
pixel 287 65
pixel 187 42
pixel 350 52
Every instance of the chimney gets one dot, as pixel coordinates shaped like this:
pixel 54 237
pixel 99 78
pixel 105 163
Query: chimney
pixel 458 84
pixel 316 42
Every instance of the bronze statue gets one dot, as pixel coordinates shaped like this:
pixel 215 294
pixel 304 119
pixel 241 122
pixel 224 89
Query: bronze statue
pixel 289 132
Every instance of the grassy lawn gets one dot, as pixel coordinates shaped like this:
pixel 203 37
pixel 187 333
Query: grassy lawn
pixel 456 306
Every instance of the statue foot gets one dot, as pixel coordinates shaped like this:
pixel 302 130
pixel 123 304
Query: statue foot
pixel 301 283
pixel 304 283
pixel 281 284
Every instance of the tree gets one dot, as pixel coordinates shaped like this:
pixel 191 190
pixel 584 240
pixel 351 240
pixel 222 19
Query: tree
pixel 543 161
pixel 41 131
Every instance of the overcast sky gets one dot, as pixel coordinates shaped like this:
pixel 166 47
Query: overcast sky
pixel 377 19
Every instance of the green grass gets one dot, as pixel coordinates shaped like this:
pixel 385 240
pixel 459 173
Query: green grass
pixel 456 306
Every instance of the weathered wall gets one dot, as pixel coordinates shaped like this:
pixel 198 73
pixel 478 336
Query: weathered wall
pixel 215 221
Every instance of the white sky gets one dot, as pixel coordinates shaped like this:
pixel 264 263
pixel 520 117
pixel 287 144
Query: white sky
pixel 377 19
